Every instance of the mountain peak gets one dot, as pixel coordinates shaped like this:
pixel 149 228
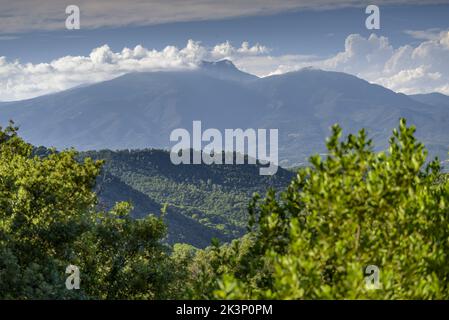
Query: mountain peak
pixel 225 69
pixel 433 99
pixel 225 63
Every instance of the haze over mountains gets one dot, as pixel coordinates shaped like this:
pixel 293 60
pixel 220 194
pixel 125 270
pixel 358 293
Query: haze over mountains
pixel 140 110
pixel 433 99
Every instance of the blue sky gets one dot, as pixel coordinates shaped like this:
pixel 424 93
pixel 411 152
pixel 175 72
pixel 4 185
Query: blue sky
pixel 310 32
pixel 39 56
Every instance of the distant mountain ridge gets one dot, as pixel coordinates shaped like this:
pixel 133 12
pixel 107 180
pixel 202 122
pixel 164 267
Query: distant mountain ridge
pixel 140 110
pixel 433 99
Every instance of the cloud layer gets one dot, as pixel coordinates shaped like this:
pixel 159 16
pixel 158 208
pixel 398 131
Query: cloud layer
pixel 407 69
pixel 20 81
pixel 35 15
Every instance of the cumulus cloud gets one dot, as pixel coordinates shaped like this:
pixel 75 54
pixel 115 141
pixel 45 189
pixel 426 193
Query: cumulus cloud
pixel 408 69
pixel 26 80
pixel 227 51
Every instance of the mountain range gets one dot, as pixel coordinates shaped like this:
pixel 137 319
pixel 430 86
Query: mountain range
pixel 139 110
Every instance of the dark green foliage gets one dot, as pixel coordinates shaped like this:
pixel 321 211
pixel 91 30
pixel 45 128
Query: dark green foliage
pixel 213 199
pixel 181 228
pixel 353 209
pixel 48 220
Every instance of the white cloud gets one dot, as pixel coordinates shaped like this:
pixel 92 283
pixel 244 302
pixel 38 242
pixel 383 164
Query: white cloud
pixel 227 51
pixel 25 80
pixel 267 65
pixel 407 69
pixel 6 38
pixel 428 34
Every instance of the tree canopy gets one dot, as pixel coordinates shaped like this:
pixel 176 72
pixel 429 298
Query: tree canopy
pixel 49 220
pixel 353 209
pixel 354 224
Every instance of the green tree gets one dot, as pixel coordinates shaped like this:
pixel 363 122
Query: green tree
pixel 353 209
pixel 49 220
pixel 204 267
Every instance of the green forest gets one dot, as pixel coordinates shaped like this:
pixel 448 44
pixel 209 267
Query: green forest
pixel 311 237
pixel 211 199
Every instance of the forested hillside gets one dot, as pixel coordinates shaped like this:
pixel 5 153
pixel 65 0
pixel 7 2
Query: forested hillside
pixel 203 201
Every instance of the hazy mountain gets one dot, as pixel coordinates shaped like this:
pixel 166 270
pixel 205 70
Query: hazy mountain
pixel 140 110
pixel 433 99
pixel 304 104
pixel 133 111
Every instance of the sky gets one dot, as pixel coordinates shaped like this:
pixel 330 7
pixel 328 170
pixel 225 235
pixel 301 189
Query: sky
pixel 38 55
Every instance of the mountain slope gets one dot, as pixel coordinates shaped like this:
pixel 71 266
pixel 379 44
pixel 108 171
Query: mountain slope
pixel 133 111
pixel 140 110
pixel 225 70
pixel 304 104
pixel 432 99
pixel 181 228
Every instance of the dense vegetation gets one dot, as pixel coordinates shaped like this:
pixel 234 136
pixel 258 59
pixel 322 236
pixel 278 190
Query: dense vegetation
pixel 213 199
pixel 354 209
pixel 48 220
pixel 347 211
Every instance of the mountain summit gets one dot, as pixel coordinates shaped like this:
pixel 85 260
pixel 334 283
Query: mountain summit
pixel 225 70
